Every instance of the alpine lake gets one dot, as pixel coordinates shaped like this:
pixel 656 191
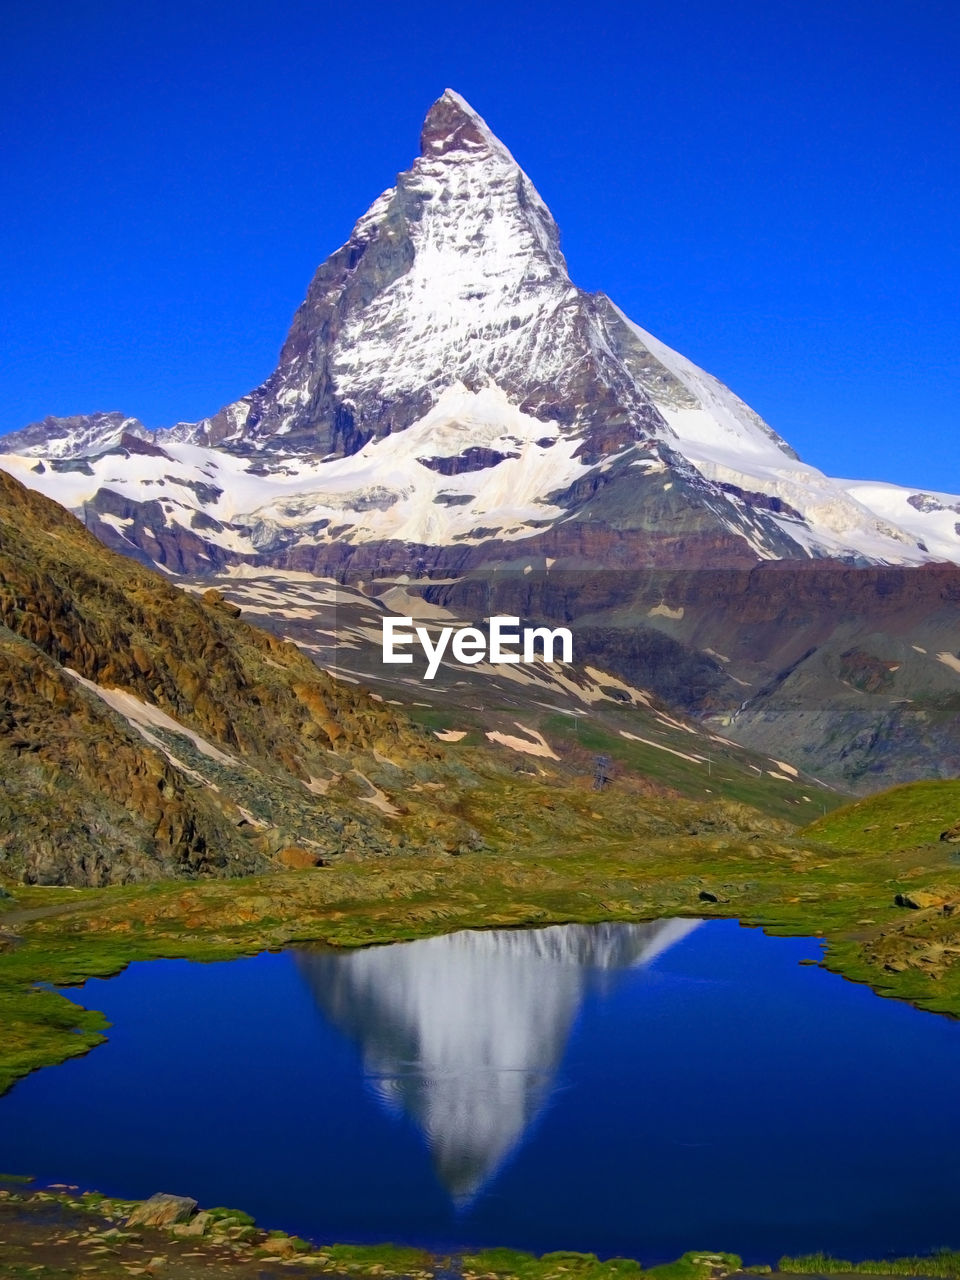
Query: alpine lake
pixel 627 1089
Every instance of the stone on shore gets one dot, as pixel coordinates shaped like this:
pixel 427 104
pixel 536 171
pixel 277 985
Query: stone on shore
pixel 162 1210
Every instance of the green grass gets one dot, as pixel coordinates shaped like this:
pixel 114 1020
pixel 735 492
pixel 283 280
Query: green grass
pixel 697 1266
pixel 945 1263
pixel 392 1259
pixel 904 817
pixel 726 775
pixel 236 1217
pixel 551 1266
pixel 40 1027
pixel 513 1265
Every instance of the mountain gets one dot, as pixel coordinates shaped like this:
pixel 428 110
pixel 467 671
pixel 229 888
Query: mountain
pixel 80 436
pixel 452 417
pixel 445 392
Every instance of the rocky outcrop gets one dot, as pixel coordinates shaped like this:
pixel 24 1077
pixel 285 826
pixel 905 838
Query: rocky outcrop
pixel 85 800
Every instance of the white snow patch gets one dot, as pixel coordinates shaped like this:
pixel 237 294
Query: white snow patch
pixel 535 744
pixel 143 715
pixel 648 742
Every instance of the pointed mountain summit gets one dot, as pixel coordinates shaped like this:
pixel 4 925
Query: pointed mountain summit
pixel 445 391
pixel 451 124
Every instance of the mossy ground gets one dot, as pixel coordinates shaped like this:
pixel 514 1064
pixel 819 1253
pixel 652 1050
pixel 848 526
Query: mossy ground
pixel 60 1233
pixel 512 1265
pixel 946 1263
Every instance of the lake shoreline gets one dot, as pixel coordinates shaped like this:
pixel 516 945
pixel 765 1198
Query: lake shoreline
pixel 59 1231
pixel 60 937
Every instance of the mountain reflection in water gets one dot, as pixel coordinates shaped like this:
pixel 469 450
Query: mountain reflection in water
pixel 464 1033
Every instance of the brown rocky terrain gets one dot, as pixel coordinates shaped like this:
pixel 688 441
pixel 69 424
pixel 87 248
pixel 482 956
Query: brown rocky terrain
pixel 147 732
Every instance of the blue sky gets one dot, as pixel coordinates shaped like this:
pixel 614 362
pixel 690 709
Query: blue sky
pixel 771 187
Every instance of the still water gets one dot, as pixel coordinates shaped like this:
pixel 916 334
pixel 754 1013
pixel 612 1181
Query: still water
pixel 623 1089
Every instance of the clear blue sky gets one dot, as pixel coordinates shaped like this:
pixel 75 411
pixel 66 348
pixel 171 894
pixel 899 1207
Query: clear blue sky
pixel 771 187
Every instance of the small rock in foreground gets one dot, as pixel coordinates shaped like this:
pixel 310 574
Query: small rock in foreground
pixel 162 1210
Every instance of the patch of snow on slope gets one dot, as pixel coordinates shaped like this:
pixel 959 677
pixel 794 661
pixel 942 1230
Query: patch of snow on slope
pixel 932 518
pixel 384 491
pixel 729 443
pixel 534 745
pixel 142 714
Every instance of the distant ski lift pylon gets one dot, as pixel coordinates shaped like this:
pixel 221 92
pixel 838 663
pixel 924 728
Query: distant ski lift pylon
pixel 601 774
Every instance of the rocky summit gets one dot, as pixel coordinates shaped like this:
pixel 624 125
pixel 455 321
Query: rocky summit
pixel 449 407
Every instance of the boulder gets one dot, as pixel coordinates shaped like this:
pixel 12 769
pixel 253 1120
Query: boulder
pixel 162 1210
pixel 920 900
pixel 952 834
pixel 216 600
pixel 280 1246
pixel 196 1227
pixel 296 858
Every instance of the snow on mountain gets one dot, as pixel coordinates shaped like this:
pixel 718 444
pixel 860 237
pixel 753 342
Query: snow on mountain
pixel 444 386
pixel 81 436
pixel 730 444
pixel 394 488
pixel 933 519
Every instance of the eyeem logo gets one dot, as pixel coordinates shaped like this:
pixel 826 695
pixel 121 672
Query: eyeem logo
pixel 469 644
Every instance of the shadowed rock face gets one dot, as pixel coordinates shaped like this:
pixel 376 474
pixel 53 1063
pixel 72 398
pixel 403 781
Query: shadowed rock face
pixel 464 1033
pixel 852 674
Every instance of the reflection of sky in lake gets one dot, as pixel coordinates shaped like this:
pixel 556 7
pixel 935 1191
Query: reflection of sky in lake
pixel 630 1090
pixel 465 1032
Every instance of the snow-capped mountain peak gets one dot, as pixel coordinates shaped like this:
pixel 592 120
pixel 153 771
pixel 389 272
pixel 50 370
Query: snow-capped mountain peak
pixel 451 124
pixel 445 391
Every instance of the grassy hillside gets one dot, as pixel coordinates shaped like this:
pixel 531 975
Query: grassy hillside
pixel 918 813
